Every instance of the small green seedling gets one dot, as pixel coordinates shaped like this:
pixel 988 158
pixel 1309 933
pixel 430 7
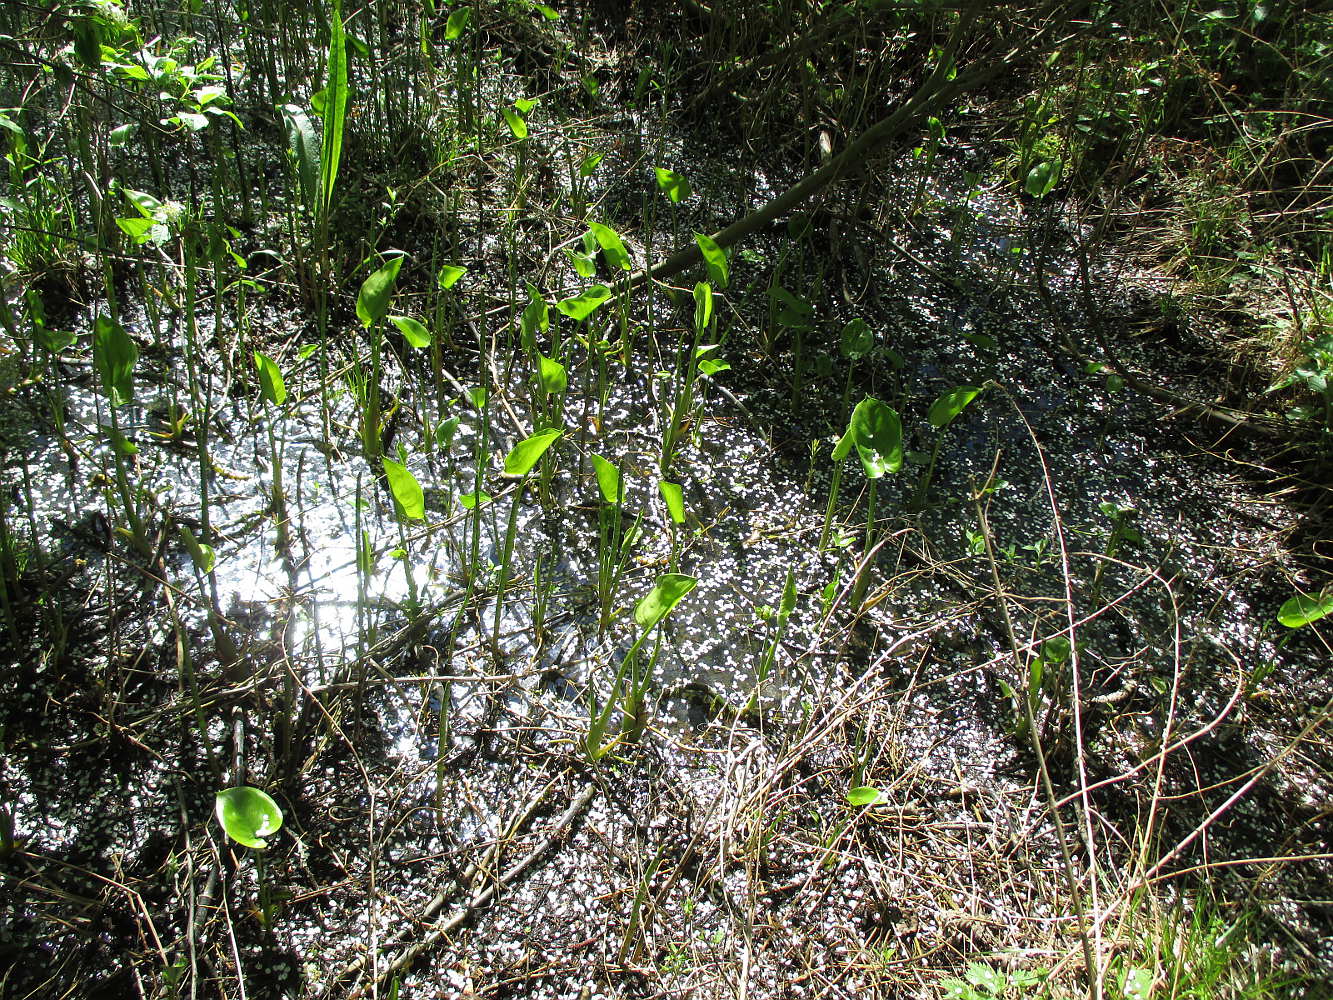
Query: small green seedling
pixel 518 463
pixel 248 814
pixel 942 413
pixel 659 602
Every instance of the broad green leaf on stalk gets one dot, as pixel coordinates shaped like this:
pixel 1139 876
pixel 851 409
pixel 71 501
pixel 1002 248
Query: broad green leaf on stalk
pixel 613 248
pixel 408 499
pixel 715 259
pixel 534 318
pixel 473 500
pixel 609 481
pixel 248 815
pixel 319 101
pixel 413 331
pixel 120 444
pixel 1042 178
pixel 528 452
pixel 674 497
pixel 516 124
pixel 703 305
pixel 114 356
pixel 943 411
pixel 53 341
pixel 589 163
pixel 583 305
pixel 192 122
pixel 270 379
pixel 675 186
pixel 856 340
pixel 553 375
pixel 453 28
pixel 863 795
pixel 445 431
pixel 877 433
pixel 790 310
pixel 583 263
pixel 712 366
pixel 201 555
pixel 143 230
pixel 1304 609
pixel 148 206
pixel 372 302
pixel 936 128
pixel 335 109
pixel 478 396
pixel 547 12
pixel 449 275
pixel 304 153
pixel 524 105
pixel 120 137
pixel 665 595
pixel 1056 650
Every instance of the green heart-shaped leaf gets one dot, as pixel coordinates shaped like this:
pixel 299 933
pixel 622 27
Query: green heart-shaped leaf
pixel 248 815
pixel 665 595
pixel 414 332
pixel 1304 609
pixel 528 452
pixel 408 498
pixel 372 302
pixel 948 406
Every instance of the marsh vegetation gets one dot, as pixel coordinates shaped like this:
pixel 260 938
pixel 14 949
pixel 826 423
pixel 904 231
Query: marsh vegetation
pixel 776 499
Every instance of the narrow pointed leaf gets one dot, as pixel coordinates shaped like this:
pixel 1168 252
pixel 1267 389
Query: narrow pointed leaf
pixel 703 305
pixel 453 28
pixel 335 109
pixel 114 356
pixel 516 124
